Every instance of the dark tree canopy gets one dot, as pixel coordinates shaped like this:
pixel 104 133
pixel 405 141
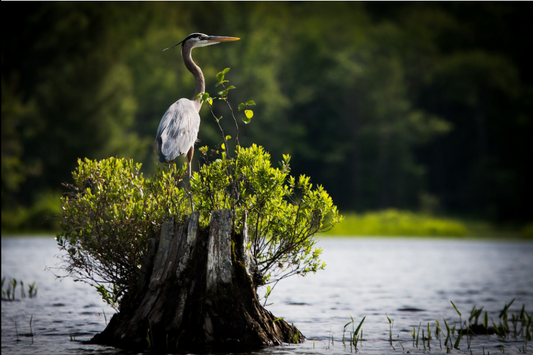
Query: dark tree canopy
pixel 384 104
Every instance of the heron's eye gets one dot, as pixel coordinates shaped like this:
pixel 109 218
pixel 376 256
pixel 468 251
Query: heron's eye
pixel 202 38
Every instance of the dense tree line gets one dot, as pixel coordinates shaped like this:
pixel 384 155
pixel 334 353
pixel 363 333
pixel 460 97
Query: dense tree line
pixel 423 106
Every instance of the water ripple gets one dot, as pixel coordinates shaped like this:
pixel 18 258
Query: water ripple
pixel 410 281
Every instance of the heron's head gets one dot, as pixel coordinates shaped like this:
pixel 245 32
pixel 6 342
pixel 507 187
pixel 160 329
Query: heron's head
pixel 202 40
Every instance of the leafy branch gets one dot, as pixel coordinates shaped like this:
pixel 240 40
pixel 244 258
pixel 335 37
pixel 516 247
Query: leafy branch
pixel 223 95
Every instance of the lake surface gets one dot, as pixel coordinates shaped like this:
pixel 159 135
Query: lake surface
pixel 409 280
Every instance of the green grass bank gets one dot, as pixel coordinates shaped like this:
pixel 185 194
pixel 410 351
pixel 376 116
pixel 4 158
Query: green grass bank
pixel 392 222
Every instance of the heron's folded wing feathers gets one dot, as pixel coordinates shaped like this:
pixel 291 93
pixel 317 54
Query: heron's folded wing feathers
pixel 177 130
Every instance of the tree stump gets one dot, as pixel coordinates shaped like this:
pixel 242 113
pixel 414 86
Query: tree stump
pixel 196 293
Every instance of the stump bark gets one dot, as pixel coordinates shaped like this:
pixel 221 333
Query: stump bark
pixel 196 293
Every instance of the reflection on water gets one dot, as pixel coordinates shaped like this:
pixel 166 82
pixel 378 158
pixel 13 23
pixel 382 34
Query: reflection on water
pixel 408 280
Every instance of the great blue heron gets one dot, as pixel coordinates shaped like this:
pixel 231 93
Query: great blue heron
pixel 178 129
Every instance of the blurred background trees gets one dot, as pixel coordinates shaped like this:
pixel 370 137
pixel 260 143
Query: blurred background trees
pixel 420 106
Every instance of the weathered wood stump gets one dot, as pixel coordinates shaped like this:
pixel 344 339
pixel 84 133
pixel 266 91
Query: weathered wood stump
pixel 196 294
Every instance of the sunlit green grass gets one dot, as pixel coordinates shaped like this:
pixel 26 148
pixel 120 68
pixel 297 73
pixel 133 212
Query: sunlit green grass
pixel 393 222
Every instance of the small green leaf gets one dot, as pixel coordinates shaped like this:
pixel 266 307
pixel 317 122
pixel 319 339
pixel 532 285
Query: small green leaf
pixel 250 102
pixel 220 76
pixel 241 106
pixel 221 82
pixel 248 116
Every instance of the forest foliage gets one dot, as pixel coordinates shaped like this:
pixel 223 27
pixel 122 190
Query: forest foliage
pixel 421 106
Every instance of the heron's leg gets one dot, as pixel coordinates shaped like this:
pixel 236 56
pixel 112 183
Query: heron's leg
pixel 190 153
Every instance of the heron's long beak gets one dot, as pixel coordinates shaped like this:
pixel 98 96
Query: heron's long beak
pixel 218 39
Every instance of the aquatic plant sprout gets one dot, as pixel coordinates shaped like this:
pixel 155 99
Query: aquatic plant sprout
pixel 522 327
pixel 9 293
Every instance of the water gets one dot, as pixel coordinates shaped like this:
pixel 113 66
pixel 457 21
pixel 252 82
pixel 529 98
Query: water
pixel 408 280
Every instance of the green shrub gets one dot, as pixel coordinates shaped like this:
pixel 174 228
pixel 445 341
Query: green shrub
pixel 111 211
pixel 283 213
pixel 109 214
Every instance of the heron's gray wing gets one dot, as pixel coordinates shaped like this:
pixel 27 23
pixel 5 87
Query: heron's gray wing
pixel 177 130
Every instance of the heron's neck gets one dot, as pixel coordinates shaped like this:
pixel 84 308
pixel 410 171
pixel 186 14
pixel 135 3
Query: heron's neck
pixel 196 72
